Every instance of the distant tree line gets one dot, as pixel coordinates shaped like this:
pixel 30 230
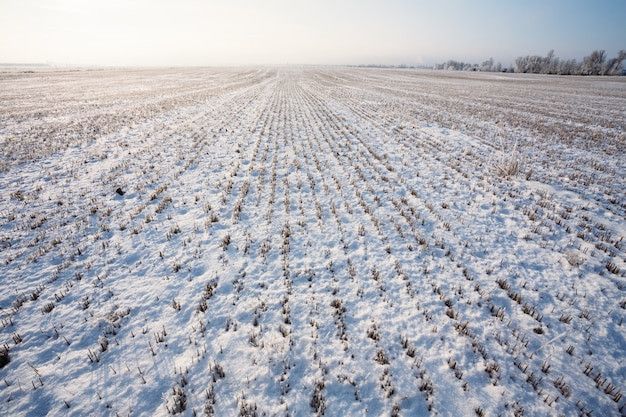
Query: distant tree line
pixel 488 66
pixel 594 64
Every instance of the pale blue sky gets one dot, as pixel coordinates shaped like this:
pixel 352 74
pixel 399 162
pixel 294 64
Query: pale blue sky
pixel 215 32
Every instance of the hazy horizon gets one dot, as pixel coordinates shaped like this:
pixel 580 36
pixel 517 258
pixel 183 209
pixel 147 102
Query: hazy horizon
pixel 242 32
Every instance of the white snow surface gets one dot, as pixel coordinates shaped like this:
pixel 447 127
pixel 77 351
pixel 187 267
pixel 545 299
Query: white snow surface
pixel 311 241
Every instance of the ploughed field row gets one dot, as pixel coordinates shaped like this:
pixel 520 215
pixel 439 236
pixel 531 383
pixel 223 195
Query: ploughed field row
pixel 311 241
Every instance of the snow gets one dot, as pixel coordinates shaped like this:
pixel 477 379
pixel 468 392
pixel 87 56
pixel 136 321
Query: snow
pixel 301 241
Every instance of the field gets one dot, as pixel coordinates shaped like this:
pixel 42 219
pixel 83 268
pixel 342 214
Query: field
pixel 311 241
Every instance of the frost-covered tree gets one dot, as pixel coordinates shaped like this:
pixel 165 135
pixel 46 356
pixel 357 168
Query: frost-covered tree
pixel 536 64
pixel 487 65
pixel 593 64
pixel 550 63
pixel 568 67
pixel 614 66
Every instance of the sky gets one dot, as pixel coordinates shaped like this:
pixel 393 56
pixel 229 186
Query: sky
pixel 239 32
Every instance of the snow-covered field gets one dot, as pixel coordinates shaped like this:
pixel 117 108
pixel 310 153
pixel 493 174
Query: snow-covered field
pixel 302 241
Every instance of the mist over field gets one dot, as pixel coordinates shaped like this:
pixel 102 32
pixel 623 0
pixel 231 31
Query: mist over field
pixel 307 209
